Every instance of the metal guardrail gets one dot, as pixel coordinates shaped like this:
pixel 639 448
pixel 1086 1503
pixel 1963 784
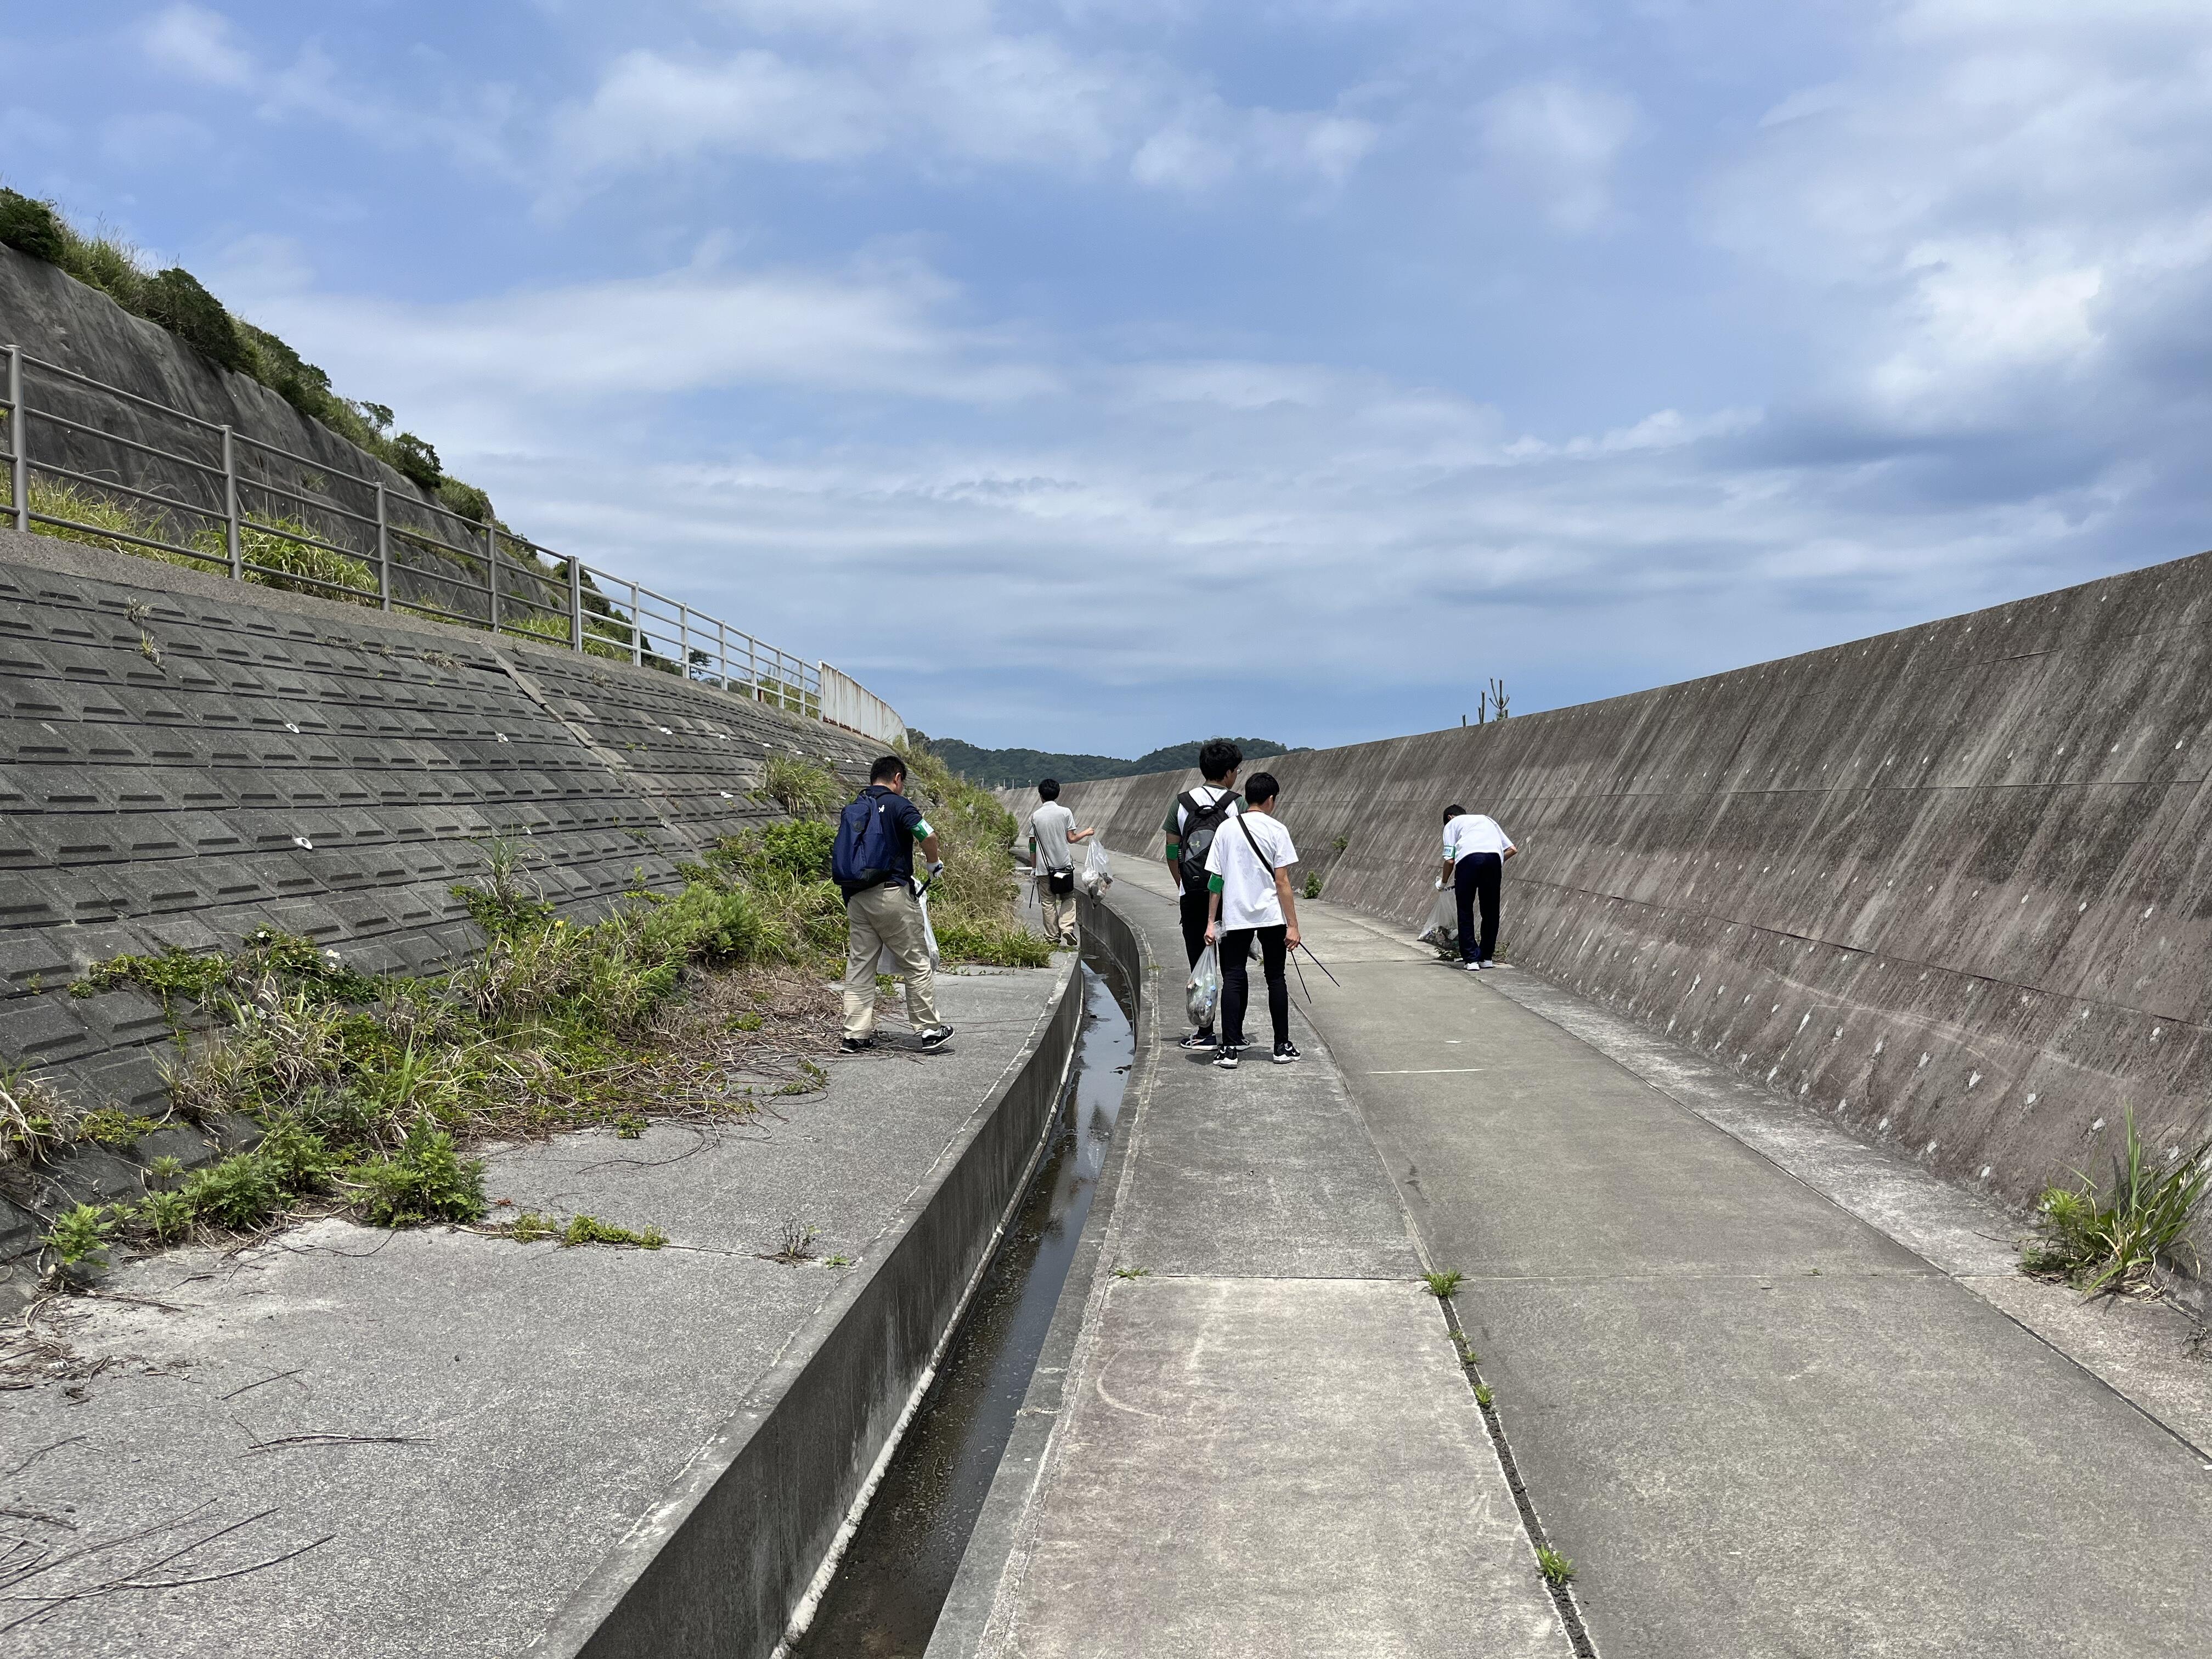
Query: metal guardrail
pixel 224 502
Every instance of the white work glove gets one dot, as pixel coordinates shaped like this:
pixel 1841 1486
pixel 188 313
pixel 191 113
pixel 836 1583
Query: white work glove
pixel 938 868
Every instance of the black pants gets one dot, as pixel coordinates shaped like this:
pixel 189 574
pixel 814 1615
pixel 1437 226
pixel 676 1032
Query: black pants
pixel 1193 908
pixel 1475 878
pixel 1237 988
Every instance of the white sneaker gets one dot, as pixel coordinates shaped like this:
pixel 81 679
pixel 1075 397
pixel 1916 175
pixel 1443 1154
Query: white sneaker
pixel 1473 967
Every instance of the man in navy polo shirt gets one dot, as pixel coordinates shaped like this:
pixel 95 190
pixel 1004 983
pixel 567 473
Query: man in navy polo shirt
pixel 882 914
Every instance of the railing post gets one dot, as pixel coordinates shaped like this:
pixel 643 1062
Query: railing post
pixel 491 567
pixel 576 605
pixel 230 507
pixel 683 639
pixel 721 653
pixel 637 630
pixel 752 668
pixel 383 551
pixel 19 470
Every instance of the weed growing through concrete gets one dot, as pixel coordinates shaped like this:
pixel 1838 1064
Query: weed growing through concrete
pixel 1556 1568
pixel 1444 1285
pixel 367 1089
pixel 801 789
pixel 796 1244
pixel 1132 1273
pixel 1482 1395
pixel 529 1226
pixel 34 1119
pixel 80 1237
pixel 1313 886
pixel 2115 1238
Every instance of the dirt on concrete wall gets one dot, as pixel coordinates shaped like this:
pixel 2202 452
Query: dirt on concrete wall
pixel 1952 884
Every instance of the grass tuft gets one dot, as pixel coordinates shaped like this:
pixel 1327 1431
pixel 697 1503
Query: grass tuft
pixel 1444 1284
pixel 1557 1570
pixel 2115 1238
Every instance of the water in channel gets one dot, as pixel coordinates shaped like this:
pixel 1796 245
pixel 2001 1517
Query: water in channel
pixel 884 1602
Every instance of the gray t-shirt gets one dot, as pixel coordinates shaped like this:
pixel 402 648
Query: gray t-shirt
pixel 1048 827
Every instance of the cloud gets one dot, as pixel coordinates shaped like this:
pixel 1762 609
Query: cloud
pixel 944 86
pixel 1985 209
pixel 867 329
pixel 198 44
pixel 1557 140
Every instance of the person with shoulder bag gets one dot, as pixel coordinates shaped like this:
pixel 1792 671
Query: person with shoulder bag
pixel 1248 898
pixel 872 863
pixel 1053 837
pixel 1194 818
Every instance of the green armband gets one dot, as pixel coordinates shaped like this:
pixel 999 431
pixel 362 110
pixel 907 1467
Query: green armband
pixel 922 829
pixel 1175 847
pixel 1213 883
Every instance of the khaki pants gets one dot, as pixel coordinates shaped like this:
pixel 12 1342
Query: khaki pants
pixel 881 916
pixel 1058 911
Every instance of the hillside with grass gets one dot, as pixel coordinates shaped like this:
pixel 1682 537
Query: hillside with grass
pixel 174 300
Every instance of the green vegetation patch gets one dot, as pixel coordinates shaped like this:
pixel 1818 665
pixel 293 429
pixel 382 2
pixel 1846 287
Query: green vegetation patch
pixel 2116 1236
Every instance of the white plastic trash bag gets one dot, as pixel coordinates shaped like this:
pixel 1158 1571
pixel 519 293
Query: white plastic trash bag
pixel 1202 992
pixel 1097 870
pixel 888 963
pixel 1442 928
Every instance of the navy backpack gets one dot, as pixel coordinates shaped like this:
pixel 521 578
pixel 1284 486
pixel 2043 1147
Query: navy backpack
pixel 866 845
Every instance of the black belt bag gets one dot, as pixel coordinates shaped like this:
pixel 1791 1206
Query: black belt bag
pixel 1059 881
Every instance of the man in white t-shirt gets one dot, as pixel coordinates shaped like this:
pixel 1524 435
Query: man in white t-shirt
pixel 1053 839
pixel 1247 871
pixel 1476 851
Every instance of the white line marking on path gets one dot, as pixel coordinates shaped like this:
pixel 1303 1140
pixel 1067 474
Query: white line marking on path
pixel 1431 1071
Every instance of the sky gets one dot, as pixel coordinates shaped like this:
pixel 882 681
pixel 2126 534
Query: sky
pixel 1093 376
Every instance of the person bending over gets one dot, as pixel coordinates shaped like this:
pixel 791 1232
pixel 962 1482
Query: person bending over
pixel 1194 818
pixel 1476 851
pixel 1248 895
pixel 1053 839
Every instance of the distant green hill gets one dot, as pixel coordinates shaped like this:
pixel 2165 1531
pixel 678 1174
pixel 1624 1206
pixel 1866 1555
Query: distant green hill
pixel 997 768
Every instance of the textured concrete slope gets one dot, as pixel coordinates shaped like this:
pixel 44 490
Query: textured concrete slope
pixel 184 760
pixel 1759 1424
pixel 1951 884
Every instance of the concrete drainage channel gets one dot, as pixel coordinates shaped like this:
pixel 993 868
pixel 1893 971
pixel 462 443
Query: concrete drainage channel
pixel 908 1384
pixel 900 1562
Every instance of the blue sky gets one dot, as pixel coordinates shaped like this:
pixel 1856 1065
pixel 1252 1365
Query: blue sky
pixel 1094 376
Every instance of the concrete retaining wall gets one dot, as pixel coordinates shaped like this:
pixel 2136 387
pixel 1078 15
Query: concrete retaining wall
pixel 183 759
pixel 1951 884
pixel 719 1570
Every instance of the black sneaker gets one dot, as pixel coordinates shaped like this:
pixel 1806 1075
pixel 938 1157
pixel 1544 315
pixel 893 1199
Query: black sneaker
pixel 1198 1040
pixel 935 1038
pixel 1286 1053
pixel 1225 1058
pixel 855 1045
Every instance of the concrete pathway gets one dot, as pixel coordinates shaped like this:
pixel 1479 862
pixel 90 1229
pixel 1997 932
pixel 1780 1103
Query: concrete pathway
pixel 1268 1447
pixel 1775 1393
pixel 469 1423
